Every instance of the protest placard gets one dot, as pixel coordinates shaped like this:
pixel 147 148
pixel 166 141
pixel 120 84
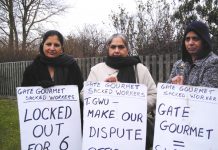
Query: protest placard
pixel 115 116
pixel 49 118
pixel 186 118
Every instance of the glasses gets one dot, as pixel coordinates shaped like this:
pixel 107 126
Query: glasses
pixel 117 46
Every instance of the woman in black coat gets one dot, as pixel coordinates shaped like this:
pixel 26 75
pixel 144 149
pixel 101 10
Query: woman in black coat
pixel 52 67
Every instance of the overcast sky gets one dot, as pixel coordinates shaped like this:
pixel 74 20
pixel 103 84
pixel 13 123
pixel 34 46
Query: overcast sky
pixel 89 12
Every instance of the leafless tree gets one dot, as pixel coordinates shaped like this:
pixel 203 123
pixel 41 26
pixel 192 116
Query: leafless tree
pixel 89 42
pixel 24 19
pixel 7 24
pixel 149 30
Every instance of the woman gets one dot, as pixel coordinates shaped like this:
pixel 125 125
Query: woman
pixel 199 65
pixel 52 67
pixel 123 68
pixel 119 67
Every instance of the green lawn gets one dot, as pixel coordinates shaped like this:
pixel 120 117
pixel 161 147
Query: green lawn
pixel 9 125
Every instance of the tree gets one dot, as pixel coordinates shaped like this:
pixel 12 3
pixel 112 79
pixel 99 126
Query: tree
pixel 132 25
pixel 89 42
pixel 163 33
pixel 24 19
pixel 149 30
pixel 189 10
pixel 7 23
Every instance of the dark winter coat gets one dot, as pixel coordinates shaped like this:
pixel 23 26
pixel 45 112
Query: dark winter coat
pixel 38 72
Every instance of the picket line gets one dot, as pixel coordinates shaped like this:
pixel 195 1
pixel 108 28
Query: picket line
pixel 11 73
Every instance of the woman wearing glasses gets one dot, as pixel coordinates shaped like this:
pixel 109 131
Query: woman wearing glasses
pixel 120 67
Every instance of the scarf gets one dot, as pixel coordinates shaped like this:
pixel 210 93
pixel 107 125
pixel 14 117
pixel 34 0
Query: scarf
pixel 60 65
pixel 125 66
pixel 61 60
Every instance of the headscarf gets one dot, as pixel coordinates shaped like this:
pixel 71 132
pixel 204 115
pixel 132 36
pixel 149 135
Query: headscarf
pixel 202 31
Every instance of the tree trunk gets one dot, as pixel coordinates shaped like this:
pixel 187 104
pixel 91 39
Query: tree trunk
pixel 11 31
pixel 24 32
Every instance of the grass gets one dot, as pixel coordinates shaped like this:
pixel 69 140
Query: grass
pixel 9 125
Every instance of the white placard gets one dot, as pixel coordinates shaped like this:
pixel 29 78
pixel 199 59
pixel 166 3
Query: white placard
pixel 115 116
pixel 49 118
pixel 186 118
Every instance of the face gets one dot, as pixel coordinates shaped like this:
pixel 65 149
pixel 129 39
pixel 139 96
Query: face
pixel 193 43
pixel 52 47
pixel 117 48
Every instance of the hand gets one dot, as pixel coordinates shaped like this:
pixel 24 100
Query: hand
pixel 111 79
pixel 178 80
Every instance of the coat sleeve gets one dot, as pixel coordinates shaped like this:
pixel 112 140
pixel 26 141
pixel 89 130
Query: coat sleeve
pixel 146 78
pixel 210 76
pixel 28 77
pixel 173 71
pixel 91 77
pixel 78 76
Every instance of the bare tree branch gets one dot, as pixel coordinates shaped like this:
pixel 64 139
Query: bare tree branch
pixel 21 17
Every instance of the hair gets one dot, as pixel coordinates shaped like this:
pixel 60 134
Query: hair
pixel 48 34
pixel 117 35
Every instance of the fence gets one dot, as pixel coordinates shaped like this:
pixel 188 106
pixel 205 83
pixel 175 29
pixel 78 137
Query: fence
pixel 11 72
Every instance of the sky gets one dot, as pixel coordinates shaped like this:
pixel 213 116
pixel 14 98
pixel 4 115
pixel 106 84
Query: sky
pixel 93 12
